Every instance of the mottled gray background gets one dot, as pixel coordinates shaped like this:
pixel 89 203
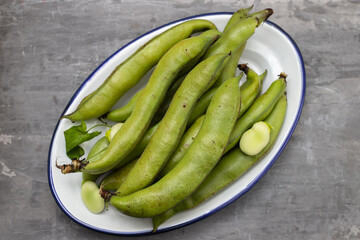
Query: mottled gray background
pixel 49 47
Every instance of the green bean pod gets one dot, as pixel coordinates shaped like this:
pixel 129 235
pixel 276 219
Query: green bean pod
pixel 237 16
pixel 132 155
pixel 259 110
pixel 237 31
pixel 140 147
pixel 113 180
pixel 184 144
pixel 253 87
pixel 125 140
pixel 201 106
pixel 123 113
pixel 172 126
pixel 244 13
pixel 250 90
pixel 96 153
pixel 130 72
pixel 168 98
pixel 229 70
pixel 207 149
pixel 247 97
pixel 237 34
pixel 231 166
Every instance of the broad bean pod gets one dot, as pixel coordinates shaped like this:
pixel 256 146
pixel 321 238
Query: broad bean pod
pixel 168 98
pixel 124 112
pixel 180 56
pixel 184 144
pixel 237 31
pixel 96 153
pixel 229 70
pixel 246 99
pixel 172 126
pixel 232 40
pixel 230 168
pixel 139 149
pixel 113 180
pixel 252 89
pixel 207 149
pixel 130 72
pixel 237 16
pixel 201 106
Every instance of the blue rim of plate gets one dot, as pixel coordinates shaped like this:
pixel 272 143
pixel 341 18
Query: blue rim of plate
pixel 218 208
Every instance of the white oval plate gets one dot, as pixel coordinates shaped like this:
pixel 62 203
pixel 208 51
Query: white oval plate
pixel 269 48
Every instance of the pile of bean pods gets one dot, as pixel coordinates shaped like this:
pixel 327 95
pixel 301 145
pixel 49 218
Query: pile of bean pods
pixel 176 142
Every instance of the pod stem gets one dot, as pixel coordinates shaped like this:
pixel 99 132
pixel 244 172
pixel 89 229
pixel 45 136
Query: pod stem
pixel 283 75
pixel 244 67
pixel 102 119
pixel 105 194
pixel 74 166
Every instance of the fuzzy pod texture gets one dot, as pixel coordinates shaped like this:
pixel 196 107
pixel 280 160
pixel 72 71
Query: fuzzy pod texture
pixel 129 73
pixel 207 149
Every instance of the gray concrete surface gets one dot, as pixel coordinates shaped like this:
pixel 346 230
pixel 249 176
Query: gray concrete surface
pixel 48 48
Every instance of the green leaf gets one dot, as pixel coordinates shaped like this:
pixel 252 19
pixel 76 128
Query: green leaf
pixel 76 135
pixel 76 152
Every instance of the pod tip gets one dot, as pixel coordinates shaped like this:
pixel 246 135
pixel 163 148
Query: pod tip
pixel 269 12
pixel 283 75
pixel 63 117
pixel 105 194
pixel 67 116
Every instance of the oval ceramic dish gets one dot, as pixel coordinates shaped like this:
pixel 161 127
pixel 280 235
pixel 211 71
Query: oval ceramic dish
pixel 269 48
